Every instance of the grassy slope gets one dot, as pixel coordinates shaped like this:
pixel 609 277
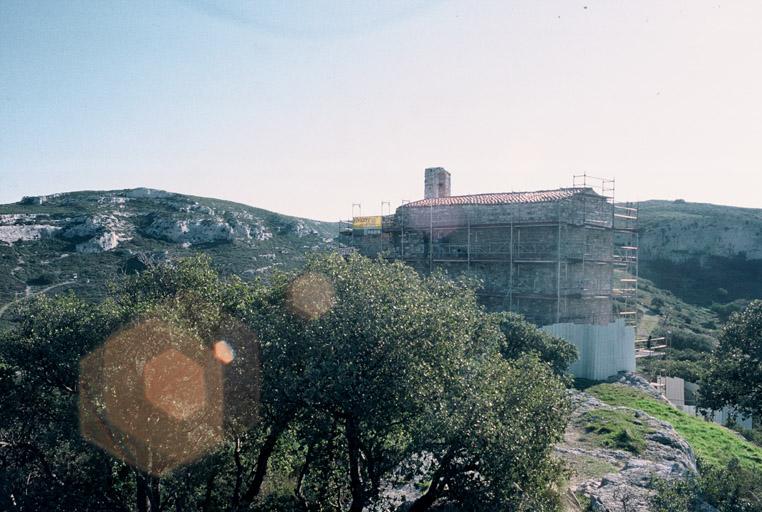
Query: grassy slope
pixel 619 429
pixel 712 443
pixel 662 310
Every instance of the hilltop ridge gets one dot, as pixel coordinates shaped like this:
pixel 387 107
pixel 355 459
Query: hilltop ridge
pixel 701 253
pixel 87 237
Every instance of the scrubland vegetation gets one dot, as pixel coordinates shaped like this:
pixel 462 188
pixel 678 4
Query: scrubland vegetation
pixel 372 377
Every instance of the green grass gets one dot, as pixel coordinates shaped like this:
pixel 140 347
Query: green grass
pixel 620 430
pixel 587 467
pixel 712 443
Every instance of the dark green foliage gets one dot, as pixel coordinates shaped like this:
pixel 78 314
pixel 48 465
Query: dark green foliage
pixel 690 332
pixel 44 464
pixel 522 337
pixel 734 376
pixel 677 496
pixel 729 489
pixel 398 375
pixel 41 280
pixel 725 311
pixel 402 366
pixel 707 280
pixel 754 435
pixel 688 369
pixel 683 339
pixel 486 456
pixel 686 356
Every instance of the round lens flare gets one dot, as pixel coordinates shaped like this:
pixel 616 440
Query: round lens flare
pixel 223 352
pixel 311 295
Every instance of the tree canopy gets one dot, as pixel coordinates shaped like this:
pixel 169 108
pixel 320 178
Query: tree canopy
pixel 368 375
pixel 734 375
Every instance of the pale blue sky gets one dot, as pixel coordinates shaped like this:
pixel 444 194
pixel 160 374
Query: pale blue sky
pixel 306 107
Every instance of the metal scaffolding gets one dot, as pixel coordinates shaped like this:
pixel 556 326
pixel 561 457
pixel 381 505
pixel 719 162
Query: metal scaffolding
pixel 625 242
pixel 557 267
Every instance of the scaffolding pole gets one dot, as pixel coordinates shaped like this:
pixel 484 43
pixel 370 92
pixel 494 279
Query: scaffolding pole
pixel 431 239
pixel 510 269
pixel 558 268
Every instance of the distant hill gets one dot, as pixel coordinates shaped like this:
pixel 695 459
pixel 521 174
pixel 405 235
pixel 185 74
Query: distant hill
pixel 84 239
pixel 693 255
pixel 702 253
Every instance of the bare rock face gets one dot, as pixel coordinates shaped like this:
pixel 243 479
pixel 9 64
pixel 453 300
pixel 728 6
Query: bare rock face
pixel 302 230
pixel 105 242
pixel 62 233
pixel 102 221
pixel 200 231
pixel 636 381
pixel 39 199
pixel 24 227
pixel 103 232
pixel 261 233
pixel 683 242
pixel 621 480
pixel 25 233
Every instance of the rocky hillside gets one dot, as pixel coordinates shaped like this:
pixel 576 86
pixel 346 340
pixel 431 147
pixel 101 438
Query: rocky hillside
pixel 616 453
pixel 83 239
pixel 703 253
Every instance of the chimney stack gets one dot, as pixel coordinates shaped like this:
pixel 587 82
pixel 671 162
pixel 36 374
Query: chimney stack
pixel 437 183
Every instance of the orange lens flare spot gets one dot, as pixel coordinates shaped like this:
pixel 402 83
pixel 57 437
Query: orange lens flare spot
pixel 223 352
pixel 175 384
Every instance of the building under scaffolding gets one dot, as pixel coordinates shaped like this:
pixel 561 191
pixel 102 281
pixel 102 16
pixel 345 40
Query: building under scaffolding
pixel 558 257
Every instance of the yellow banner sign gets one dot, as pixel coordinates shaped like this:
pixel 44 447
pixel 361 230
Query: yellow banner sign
pixel 373 222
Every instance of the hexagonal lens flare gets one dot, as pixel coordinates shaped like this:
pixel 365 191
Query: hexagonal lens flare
pixel 175 384
pixel 152 396
pixel 311 295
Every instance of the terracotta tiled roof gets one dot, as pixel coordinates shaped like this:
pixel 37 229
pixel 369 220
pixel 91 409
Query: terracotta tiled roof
pixel 541 196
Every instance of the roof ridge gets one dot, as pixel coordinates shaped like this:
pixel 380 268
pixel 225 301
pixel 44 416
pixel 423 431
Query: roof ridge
pixel 535 196
pixel 517 192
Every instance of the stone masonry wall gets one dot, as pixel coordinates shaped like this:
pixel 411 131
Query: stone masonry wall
pixel 549 261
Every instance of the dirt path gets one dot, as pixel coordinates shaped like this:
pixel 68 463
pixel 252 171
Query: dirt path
pixel 28 294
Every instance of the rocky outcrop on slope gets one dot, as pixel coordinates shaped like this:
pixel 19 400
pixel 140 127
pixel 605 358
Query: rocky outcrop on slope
pixel 641 384
pixel 105 219
pixel 26 232
pixel 104 242
pixel 98 232
pixel 617 480
pixel 91 237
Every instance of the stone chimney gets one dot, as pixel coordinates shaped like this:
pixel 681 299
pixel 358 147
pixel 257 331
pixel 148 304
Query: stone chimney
pixel 437 183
